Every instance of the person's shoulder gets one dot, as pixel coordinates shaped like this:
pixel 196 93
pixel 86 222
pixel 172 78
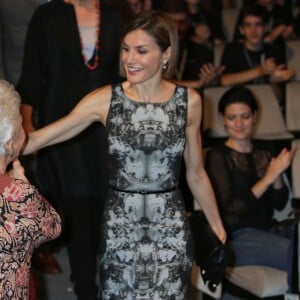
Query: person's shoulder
pixel 51 5
pixel 233 46
pixel 264 145
pixel 232 52
pixel 110 9
pixel 218 148
pixel 271 48
pixel 14 189
pixel 101 93
pixel 50 8
pixel 194 98
pixel 215 153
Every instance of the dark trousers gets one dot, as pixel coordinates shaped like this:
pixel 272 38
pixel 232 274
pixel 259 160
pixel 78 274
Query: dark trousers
pixel 82 217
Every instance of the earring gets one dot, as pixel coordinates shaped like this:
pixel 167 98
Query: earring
pixel 165 65
pixel 8 153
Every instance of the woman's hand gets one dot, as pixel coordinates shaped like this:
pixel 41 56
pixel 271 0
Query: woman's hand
pixel 279 164
pixel 17 171
pixel 208 73
pixel 220 233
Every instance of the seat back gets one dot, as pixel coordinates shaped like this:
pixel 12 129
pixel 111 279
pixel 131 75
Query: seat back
pixel 293 57
pixel 270 121
pixel 229 19
pixel 218 51
pixel 292 106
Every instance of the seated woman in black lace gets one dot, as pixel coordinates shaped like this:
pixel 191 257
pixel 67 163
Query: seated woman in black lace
pixel 248 182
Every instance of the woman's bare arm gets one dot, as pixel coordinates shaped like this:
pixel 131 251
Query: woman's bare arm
pixel 197 178
pixel 93 107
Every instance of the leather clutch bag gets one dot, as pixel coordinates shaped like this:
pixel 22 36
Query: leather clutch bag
pixel 209 253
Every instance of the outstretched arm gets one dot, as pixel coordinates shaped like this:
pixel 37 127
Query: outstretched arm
pixel 196 175
pixel 93 107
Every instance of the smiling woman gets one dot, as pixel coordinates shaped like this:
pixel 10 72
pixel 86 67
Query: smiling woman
pixel 249 185
pixel 151 124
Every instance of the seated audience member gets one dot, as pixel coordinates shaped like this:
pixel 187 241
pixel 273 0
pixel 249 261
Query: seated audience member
pixel 200 57
pixel 247 178
pixel 280 21
pixel 178 11
pixel 210 12
pixel 26 218
pixel 253 61
pixel 280 24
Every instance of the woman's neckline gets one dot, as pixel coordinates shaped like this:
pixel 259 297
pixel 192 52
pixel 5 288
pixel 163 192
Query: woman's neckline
pixel 150 103
pixel 236 150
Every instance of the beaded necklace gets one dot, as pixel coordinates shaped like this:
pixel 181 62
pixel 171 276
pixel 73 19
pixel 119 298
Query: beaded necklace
pixel 93 63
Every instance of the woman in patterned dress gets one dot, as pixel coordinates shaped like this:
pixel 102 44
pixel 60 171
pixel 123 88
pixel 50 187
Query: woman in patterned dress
pixel 151 123
pixel 26 219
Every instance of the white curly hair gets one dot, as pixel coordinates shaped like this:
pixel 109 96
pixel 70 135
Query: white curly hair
pixel 10 117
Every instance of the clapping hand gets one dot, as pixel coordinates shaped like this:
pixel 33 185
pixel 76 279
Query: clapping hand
pixel 208 73
pixel 282 74
pixel 280 163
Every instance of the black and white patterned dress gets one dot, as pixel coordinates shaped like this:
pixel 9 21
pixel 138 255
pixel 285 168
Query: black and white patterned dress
pixel 147 249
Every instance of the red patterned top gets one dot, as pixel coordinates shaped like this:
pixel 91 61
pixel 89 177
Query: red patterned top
pixel 26 221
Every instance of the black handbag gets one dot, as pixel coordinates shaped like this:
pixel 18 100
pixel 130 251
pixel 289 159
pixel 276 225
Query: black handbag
pixel 210 254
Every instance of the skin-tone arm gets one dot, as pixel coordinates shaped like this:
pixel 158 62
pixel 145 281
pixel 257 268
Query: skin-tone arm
pixel 241 77
pixel 197 178
pixel 266 68
pixel 282 30
pixel 273 174
pixel 277 73
pixel 93 107
pixel 208 75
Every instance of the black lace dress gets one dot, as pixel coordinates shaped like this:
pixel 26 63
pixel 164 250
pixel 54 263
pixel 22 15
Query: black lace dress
pixel 146 250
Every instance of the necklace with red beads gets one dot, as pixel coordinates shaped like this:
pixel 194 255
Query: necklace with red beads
pixel 93 63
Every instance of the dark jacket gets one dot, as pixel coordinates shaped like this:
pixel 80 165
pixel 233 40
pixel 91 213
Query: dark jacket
pixel 54 79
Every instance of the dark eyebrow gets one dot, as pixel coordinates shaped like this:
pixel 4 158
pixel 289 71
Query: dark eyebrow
pixel 137 47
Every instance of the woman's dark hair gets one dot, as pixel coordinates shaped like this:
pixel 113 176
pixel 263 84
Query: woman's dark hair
pixel 162 29
pixel 237 94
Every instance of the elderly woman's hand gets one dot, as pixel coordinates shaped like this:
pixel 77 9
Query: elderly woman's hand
pixel 17 171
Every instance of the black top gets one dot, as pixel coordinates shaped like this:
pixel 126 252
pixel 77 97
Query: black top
pixel 54 79
pixel 197 55
pixel 236 58
pixel 232 176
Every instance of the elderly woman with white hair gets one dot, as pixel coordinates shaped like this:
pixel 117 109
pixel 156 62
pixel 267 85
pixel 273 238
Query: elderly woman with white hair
pixel 26 218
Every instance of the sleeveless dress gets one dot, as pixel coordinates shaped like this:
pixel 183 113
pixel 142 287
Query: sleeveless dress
pixel 147 249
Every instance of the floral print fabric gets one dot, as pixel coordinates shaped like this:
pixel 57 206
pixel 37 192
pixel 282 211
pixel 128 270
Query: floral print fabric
pixel 26 221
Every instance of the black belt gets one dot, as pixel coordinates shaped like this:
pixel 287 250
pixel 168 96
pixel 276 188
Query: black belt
pixel 143 192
